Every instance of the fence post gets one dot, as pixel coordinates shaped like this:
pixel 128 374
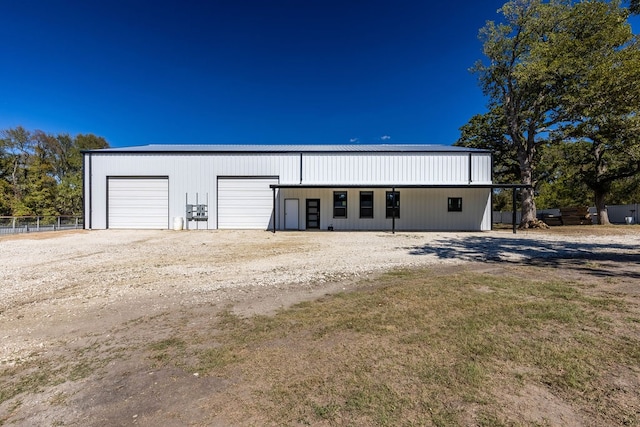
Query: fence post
pixel 37 223
pixel 58 223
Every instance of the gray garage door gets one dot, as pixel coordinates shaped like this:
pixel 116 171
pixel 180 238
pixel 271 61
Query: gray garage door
pixel 245 203
pixel 138 203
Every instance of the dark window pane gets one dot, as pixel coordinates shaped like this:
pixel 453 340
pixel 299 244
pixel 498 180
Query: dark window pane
pixel 339 204
pixel 455 204
pixel 366 204
pixel 393 204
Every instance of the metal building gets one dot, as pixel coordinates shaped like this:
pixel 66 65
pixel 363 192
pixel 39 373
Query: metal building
pixel 288 187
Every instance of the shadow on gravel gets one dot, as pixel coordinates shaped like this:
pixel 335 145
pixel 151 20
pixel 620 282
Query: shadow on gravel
pixel 588 257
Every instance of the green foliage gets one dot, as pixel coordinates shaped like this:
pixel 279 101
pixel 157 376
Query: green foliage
pixel 562 81
pixel 488 131
pixel 41 174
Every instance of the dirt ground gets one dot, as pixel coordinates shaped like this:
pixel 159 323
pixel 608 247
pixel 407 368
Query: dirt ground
pixel 109 292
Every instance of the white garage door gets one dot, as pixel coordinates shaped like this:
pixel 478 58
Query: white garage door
pixel 245 203
pixel 138 203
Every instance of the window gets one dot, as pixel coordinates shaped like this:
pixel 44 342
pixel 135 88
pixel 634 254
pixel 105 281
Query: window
pixel 455 204
pixel 339 204
pixel 393 204
pixel 366 204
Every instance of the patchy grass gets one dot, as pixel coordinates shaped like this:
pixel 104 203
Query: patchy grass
pixel 422 350
pixel 411 348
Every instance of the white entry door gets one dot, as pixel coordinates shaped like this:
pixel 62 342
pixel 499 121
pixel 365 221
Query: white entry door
pixel 291 214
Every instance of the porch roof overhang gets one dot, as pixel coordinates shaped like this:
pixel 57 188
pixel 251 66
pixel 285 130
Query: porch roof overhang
pixel 513 187
pixel 323 186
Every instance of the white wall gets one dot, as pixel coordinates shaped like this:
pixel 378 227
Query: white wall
pixel 187 174
pixel 198 172
pixel 420 209
pixel 401 168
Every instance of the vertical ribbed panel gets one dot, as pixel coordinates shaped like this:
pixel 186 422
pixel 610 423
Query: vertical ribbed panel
pixel 188 174
pixel 399 169
pixel 191 174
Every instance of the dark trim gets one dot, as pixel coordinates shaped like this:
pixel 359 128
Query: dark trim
pixel 137 177
pixel 449 207
pixel 491 202
pixel 393 209
pixel 301 168
pixel 514 216
pixel 346 209
pixel 462 186
pixel 295 151
pixel 248 177
pixel 471 167
pixel 492 176
pixel 306 214
pixel 372 204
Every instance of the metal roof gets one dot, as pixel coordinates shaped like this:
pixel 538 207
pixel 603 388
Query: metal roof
pixel 214 148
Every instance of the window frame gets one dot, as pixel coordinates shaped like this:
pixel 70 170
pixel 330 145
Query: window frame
pixel 454 208
pixel 344 207
pixel 366 207
pixel 390 209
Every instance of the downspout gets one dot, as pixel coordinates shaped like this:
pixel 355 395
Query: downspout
pixel 470 171
pixel 300 168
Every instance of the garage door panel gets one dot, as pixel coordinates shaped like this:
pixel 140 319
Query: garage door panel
pixel 138 203
pixel 245 203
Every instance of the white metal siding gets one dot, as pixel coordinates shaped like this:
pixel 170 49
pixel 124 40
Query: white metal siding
pixel 245 203
pixel 138 203
pixel 420 209
pixel 384 168
pixel 481 168
pixel 188 174
pixel 196 173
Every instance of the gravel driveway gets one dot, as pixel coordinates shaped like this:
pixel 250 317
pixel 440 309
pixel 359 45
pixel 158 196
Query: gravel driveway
pixel 66 283
pixel 69 292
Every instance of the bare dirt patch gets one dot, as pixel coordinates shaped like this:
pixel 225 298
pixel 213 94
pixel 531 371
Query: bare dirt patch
pixel 78 310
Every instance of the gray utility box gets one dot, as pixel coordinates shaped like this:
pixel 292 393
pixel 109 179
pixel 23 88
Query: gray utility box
pixel 197 213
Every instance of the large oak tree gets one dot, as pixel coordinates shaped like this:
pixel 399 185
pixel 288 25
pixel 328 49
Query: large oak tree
pixel 563 72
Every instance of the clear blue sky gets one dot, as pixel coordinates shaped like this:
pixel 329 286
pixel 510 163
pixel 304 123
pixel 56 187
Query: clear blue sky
pixel 239 71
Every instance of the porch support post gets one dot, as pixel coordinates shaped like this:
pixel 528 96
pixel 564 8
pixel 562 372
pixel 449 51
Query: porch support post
pixel 514 216
pixel 393 210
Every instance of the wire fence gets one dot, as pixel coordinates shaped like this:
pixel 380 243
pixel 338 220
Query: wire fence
pixel 618 214
pixel 34 224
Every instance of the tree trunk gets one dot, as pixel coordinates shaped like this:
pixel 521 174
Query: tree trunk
pixel 528 208
pixel 601 208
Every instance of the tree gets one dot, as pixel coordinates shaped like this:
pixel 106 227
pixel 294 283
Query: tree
pixel 17 145
pixel 602 102
pixel 522 86
pixel 69 200
pixel 40 188
pixel 40 173
pixel 564 73
pixel 487 131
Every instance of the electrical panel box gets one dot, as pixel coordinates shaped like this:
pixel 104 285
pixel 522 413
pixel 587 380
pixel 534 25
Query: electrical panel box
pixel 197 213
